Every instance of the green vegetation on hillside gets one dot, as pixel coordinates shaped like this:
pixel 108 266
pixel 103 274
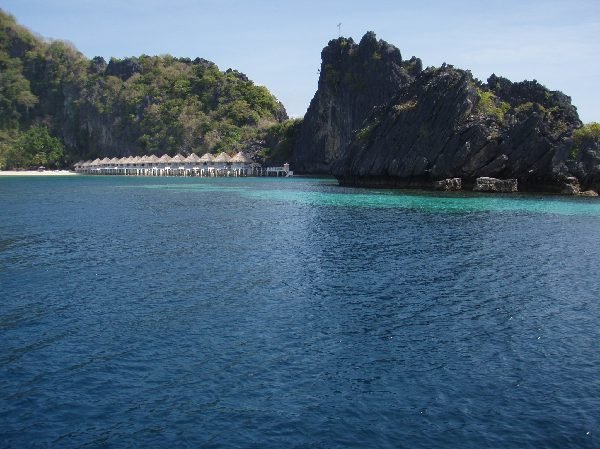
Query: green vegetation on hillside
pixel 32 148
pixel 365 133
pixel 282 138
pixel 490 105
pixel 587 135
pixel 138 105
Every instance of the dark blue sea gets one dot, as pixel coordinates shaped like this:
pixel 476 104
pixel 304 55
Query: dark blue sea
pixel 293 313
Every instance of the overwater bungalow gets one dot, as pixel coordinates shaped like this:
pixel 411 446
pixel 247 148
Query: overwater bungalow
pixel 207 159
pixel 192 165
pixel 222 160
pixel 153 159
pixel 241 164
pixel 164 160
pixel 192 162
pixel 207 162
pixel 94 166
pixel 221 164
pixel 193 158
pixel 177 165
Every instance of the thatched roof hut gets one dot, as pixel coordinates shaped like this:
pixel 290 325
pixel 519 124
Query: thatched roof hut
pixel 240 158
pixel 207 157
pixel 193 158
pixel 164 159
pixel 178 158
pixel 222 157
pixel 152 159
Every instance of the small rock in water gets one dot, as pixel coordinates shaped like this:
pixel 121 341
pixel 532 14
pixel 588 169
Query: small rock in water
pixel 485 184
pixel 450 184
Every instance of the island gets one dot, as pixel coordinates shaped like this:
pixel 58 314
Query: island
pixel 378 120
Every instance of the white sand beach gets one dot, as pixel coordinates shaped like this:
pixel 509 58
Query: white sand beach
pixel 37 173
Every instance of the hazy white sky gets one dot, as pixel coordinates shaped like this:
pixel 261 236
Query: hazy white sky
pixel 278 43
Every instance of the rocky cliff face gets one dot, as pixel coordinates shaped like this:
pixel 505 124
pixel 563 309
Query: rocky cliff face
pixel 584 159
pixel 354 78
pixel 445 124
pixel 440 123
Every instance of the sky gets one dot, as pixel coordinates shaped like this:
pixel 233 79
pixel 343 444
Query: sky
pixel 278 43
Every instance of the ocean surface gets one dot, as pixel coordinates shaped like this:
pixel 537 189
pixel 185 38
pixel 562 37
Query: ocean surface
pixel 293 313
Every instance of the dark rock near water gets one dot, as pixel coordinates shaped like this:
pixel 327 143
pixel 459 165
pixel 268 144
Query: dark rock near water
pixel 485 184
pixel 571 186
pixel 586 164
pixel 452 184
pixel 377 120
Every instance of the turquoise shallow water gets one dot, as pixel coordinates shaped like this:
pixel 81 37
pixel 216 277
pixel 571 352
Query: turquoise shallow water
pixel 276 313
pixel 415 200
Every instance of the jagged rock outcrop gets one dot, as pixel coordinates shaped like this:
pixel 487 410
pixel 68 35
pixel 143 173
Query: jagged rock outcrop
pixel 445 124
pixel 436 124
pixel 486 184
pixel 354 78
pixel 448 185
pixel 585 163
pixel 571 186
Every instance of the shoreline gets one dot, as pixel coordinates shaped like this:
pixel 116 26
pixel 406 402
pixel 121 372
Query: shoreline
pixel 37 173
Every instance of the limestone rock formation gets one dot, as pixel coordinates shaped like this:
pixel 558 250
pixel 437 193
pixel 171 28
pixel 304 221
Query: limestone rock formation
pixel 354 78
pixel 377 120
pixel 446 124
pixel 585 164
